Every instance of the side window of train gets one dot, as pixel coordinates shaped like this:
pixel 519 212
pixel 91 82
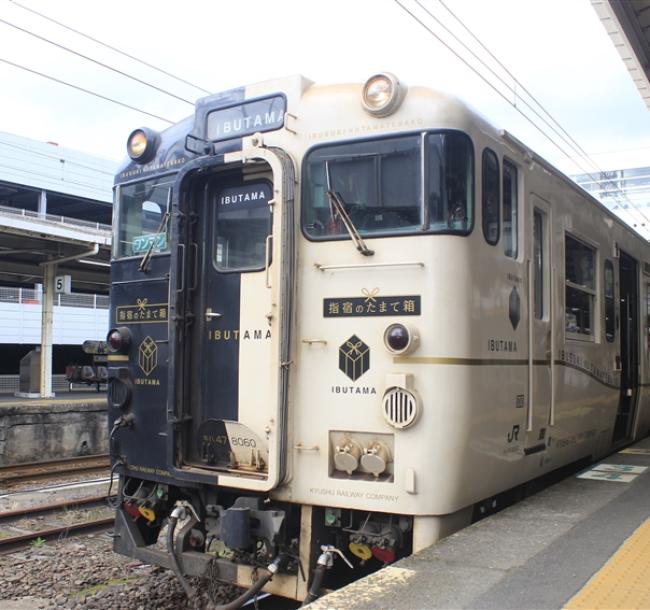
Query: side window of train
pixel 610 309
pixel 580 296
pixel 647 300
pixel 143 219
pixel 510 210
pixel 491 196
pixel 243 222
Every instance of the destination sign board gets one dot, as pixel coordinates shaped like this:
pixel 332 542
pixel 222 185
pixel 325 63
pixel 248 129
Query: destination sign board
pixel 245 119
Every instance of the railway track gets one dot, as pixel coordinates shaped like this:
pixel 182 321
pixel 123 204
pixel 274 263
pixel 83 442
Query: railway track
pixel 10 475
pixel 24 539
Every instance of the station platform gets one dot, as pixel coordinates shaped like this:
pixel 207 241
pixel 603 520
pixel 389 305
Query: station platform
pixel 67 425
pixel 81 395
pixel 581 543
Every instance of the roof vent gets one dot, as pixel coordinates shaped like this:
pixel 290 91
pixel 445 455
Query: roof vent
pixel 400 408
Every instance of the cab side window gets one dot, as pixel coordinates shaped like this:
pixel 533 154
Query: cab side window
pixel 510 210
pixel 491 196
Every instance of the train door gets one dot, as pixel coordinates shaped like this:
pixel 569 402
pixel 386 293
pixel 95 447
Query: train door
pixel 540 327
pixel 233 402
pixel 629 337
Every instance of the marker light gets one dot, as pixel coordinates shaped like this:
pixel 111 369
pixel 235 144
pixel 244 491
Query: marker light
pixel 399 339
pixel 382 94
pixel 141 145
pixel 119 339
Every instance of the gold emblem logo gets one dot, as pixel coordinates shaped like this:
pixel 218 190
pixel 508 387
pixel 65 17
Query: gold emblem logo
pixel 148 355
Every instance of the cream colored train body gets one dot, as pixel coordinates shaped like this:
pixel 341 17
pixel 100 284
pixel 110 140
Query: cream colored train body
pixel 377 320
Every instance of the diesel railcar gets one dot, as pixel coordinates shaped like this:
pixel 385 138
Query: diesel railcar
pixel 343 317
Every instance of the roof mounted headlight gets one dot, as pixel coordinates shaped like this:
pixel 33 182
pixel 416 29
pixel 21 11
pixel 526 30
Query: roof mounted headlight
pixel 142 144
pixel 382 94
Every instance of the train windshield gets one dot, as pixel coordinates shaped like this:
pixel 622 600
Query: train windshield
pixel 142 218
pixel 408 184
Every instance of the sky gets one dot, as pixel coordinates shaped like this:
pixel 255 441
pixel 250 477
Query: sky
pixel 557 49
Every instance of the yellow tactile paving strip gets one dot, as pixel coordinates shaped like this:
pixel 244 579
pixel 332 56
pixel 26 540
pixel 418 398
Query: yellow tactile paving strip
pixel 624 581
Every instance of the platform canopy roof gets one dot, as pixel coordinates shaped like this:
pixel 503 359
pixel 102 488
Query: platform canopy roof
pixel 628 24
pixel 29 240
pixel 55 206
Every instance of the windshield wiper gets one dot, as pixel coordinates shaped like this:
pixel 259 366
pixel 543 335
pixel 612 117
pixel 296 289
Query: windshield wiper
pixel 162 228
pixel 336 202
pixel 339 206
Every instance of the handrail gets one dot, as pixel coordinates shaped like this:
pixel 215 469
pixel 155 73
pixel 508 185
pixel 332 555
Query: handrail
pixel 368 265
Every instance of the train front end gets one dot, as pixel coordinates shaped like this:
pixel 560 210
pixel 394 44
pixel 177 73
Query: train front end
pixel 271 274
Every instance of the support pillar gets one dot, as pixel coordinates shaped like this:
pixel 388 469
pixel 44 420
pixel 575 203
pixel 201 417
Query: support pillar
pixel 47 319
pixel 42 211
pixel 42 203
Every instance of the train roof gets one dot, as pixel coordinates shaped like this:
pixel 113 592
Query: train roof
pixel 172 151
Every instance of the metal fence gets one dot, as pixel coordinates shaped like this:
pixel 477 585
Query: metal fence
pixel 60 220
pixel 30 296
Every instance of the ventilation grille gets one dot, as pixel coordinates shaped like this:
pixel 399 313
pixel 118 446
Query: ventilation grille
pixel 400 408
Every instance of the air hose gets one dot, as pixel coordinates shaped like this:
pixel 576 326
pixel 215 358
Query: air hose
pixel 324 563
pixel 314 590
pixel 178 513
pixel 273 568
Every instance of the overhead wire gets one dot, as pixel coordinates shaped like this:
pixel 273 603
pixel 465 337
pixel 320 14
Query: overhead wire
pixel 49 171
pixel 96 61
pixel 88 91
pixel 26 171
pixel 568 139
pixel 112 48
pixel 501 94
pixel 52 156
pixel 579 148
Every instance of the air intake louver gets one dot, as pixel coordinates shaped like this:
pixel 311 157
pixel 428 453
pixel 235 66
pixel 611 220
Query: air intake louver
pixel 400 408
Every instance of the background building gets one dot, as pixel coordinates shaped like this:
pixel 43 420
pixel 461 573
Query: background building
pixel 62 190
pixel 626 192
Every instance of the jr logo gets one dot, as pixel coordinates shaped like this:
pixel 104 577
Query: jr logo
pixel 514 435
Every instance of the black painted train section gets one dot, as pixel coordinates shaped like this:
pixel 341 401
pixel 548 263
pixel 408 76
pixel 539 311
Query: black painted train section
pixel 139 302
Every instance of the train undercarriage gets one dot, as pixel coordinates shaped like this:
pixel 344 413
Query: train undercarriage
pixel 244 539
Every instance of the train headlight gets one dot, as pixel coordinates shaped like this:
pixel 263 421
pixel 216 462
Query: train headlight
pixel 382 94
pixel 141 144
pixel 119 339
pixel 400 339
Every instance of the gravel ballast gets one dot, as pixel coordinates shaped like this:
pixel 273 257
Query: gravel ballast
pixel 84 573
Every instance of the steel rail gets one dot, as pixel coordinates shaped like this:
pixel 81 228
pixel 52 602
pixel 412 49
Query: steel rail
pixel 48 508
pixel 25 540
pixel 39 470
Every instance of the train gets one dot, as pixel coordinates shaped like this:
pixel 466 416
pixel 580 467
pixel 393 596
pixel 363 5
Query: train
pixel 346 317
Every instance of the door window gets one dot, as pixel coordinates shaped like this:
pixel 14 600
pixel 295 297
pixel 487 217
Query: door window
pixel 538 262
pixel 243 222
pixel 609 301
